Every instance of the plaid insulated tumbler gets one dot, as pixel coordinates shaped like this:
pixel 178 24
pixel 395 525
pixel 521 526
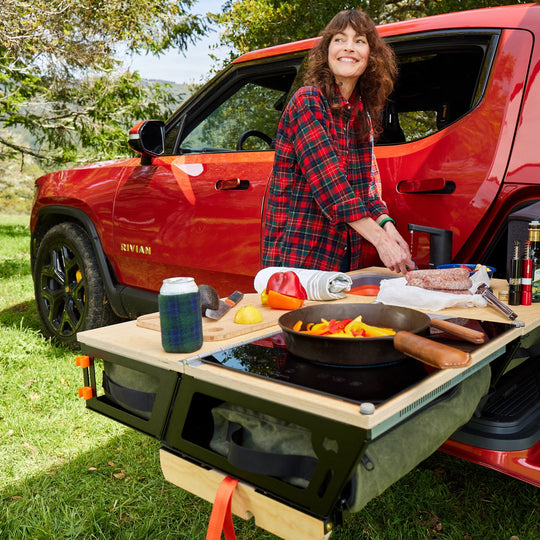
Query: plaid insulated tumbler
pixel 180 315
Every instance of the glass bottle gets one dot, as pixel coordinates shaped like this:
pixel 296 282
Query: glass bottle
pixel 526 275
pixel 534 237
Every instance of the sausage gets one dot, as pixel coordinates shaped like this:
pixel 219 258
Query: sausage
pixel 447 279
pixel 449 274
pixel 452 291
pixel 441 285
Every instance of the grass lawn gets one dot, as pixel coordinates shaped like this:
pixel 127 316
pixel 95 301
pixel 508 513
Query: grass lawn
pixel 69 473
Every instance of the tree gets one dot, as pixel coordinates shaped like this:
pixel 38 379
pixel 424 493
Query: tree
pixel 253 24
pixel 59 76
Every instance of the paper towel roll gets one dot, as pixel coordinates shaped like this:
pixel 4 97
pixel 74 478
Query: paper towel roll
pixel 319 284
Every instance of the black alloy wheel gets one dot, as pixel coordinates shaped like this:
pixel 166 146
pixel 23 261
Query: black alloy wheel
pixel 68 287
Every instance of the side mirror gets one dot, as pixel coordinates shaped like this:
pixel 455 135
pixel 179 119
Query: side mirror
pixel 148 138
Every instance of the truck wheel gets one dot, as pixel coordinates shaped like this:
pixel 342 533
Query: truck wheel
pixel 68 287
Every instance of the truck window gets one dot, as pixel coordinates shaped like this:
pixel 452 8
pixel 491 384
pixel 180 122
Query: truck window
pixel 440 80
pixel 249 101
pixel 251 107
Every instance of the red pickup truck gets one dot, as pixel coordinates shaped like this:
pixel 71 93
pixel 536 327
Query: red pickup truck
pixel 459 153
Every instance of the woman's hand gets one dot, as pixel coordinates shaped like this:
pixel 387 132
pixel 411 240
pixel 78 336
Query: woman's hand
pixel 401 259
pixel 391 230
pixel 390 245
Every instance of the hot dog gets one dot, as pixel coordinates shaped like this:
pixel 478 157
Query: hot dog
pixel 448 280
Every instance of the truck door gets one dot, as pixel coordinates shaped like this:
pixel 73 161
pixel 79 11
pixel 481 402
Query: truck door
pixel 449 128
pixel 196 210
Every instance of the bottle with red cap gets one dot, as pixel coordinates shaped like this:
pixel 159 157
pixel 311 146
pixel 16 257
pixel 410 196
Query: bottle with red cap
pixel 526 276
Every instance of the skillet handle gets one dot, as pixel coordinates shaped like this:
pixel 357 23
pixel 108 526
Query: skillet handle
pixel 430 352
pixel 468 334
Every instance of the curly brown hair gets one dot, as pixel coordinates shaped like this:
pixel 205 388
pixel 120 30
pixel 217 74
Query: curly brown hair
pixel 377 81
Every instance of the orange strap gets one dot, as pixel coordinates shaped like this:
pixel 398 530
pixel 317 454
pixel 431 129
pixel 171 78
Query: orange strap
pixel 221 516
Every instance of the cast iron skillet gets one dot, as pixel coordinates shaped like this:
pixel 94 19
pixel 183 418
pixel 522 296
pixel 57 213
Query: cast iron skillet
pixel 368 351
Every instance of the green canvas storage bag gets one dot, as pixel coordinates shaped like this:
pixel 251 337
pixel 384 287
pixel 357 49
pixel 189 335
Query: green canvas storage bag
pixel 262 444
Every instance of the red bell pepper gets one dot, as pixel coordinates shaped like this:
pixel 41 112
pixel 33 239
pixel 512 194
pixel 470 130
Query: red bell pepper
pixel 286 283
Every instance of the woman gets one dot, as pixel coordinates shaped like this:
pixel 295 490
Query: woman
pixel 323 207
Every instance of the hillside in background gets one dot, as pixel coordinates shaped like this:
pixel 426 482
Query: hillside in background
pixel 181 90
pixel 17 175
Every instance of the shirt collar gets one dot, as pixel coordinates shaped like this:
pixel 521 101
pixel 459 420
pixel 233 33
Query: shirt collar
pixel 354 103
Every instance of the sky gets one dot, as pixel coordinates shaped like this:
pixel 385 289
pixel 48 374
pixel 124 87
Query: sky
pixel 188 67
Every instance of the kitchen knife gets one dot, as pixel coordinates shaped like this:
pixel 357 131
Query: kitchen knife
pixel 224 306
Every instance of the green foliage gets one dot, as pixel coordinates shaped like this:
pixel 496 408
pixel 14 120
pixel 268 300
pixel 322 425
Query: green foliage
pixel 253 24
pixel 92 118
pixel 59 78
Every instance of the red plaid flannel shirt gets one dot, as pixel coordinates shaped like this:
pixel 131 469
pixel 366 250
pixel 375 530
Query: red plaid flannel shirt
pixel 323 177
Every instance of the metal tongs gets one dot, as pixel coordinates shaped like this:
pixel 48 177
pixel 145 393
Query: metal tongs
pixel 485 291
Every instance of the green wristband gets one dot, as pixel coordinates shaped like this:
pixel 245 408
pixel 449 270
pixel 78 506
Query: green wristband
pixel 384 221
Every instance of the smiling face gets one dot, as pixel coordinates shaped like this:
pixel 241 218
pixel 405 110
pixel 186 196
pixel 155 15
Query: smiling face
pixel 348 55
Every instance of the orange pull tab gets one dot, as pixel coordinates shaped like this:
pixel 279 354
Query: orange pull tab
pixel 86 392
pixel 83 361
pixel 221 516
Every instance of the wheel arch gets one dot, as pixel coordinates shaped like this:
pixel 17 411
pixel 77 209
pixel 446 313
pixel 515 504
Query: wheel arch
pixel 49 216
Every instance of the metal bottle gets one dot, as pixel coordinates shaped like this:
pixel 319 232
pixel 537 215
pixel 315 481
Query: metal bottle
pixel 514 291
pixel 180 315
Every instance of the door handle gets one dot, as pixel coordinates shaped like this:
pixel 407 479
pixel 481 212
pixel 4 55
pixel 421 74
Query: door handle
pixel 232 184
pixel 427 185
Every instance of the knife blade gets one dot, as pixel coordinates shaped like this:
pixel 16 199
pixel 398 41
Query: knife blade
pixel 224 305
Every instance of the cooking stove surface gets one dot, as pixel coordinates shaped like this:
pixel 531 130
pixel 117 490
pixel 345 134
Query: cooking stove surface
pixel 269 358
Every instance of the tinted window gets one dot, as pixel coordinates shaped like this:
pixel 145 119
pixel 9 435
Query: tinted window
pixel 248 99
pixel 440 80
pixel 252 107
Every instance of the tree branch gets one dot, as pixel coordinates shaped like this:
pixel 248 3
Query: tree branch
pixel 22 149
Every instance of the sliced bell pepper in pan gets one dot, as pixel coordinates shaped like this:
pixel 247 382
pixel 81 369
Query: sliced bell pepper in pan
pixel 344 328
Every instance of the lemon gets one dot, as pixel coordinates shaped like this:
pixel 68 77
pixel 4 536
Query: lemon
pixel 248 315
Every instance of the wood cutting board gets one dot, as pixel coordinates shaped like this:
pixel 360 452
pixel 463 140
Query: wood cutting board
pixel 225 328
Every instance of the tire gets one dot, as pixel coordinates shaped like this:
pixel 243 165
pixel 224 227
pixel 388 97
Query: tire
pixel 68 287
